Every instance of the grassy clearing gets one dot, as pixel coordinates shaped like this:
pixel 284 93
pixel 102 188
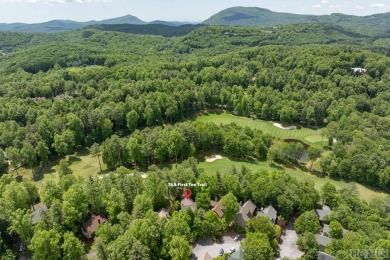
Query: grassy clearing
pixel 82 164
pixel 78 69
pixel 307 135
pixel 224 165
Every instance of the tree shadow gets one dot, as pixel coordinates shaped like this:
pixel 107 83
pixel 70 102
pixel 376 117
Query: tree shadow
pixel 73 159
pixel 83 151
pixel 38 176
pixel 275 166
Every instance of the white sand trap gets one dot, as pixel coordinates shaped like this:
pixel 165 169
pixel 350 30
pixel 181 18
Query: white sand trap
pixel 285 127
pixel 213 158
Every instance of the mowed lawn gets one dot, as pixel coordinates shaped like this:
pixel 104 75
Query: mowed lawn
pixel 81 163
pixel 307 135
pixel 225 165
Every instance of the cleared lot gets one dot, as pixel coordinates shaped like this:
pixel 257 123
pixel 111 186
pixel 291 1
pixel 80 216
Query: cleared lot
pixel 208 245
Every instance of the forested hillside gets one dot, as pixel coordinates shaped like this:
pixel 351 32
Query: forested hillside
pixel 376 24
pixel 131 99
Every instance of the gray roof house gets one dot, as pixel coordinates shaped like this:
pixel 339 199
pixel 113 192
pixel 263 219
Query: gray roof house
pixel 324 256
pixel 326 229
pixel 163 213
pixel 38 210
pixel 322 213
pixel 246 212
pixel 269 212
pixel 323 241
pixel 187 203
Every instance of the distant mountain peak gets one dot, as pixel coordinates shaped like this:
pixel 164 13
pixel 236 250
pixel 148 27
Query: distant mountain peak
pixel 256 16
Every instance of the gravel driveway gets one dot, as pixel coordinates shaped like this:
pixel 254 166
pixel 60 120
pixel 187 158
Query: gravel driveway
pixel 208 245
pixel 288 246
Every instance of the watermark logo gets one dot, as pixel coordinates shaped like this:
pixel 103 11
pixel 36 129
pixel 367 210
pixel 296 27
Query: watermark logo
pixel 370 253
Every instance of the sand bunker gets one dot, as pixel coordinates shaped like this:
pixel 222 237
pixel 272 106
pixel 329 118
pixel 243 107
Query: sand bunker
pixel 285 127
pixel 213 158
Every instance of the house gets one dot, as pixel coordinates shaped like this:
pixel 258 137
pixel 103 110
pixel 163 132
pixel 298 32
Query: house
pixel 217 208
pixel 205 256
pixel 269 212
pixel 358 71
pixel 323 241
pixel 89 228
pixel 163 213
pixel 322 213
pixel 246 212
pixel 37 213
pixel 238 255
pixel 38 99
pixel 326 230
pixel 187 203
pixel 324 256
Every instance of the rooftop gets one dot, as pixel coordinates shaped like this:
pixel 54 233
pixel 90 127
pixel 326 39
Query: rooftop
pixel 93 223
pixel 248 207
pixel 217 208
pixel 187 203
pixel 36 214
pixel 322 213
pixel 324 256
pixel 326 230
pixel 163 213
pixel 323 240
pixel 269 212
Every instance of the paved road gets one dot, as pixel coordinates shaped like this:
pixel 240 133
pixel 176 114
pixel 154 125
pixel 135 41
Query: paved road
pixel 289 239
pixel 208 245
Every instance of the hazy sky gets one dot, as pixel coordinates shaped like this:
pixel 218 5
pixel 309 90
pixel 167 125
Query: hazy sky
pixel 171 10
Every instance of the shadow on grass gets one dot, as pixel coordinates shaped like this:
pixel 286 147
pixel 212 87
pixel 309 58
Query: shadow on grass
pixel 73 159
pixel 83 151
pixel 49 169
pixel 277 167
pixel 105 172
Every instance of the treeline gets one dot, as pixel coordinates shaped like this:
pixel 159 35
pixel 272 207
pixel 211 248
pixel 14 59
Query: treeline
pixel 180 141
pixel 148 29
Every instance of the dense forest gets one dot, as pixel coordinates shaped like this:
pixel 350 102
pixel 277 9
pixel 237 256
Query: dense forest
pixel 131 98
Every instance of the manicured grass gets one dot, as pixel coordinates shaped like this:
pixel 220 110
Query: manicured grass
pixel 81 163
pixel 225 165
pixel 307 135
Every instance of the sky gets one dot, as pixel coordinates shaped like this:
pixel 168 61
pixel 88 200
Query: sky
pixel 33 11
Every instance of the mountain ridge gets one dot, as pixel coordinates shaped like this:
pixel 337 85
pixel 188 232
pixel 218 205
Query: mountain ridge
pixel 255 16
pixel 371 25
pixel 66 25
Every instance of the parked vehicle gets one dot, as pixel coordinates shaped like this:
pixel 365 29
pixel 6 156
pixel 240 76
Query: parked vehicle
pixel 221 252
pixel 237 237
pixel 232 250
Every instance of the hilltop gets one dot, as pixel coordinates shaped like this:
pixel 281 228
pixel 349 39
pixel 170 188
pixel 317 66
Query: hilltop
pixel 65 25
pixel 253 16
